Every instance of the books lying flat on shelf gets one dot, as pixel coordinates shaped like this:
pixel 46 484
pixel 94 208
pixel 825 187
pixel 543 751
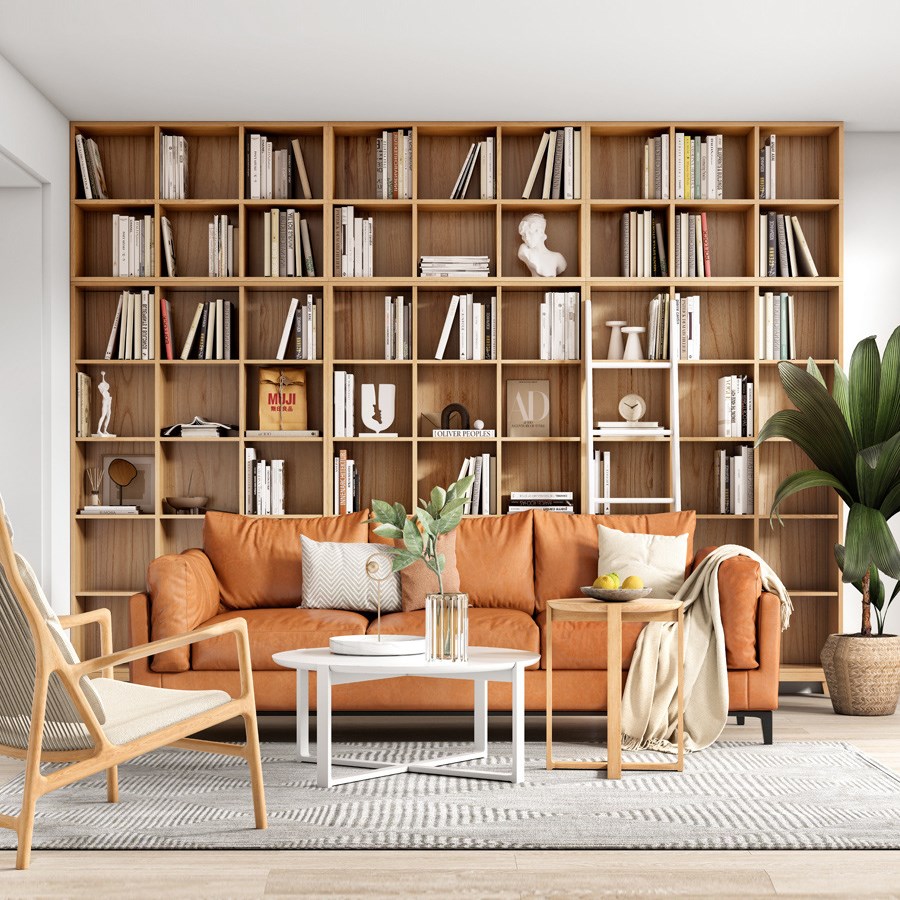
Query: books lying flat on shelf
pixel 83 384
pixel 393 165
pixel 602 477
pixel 292 433
pixel 397 328
pixel 133 332
pixel 346 485
pixel 656 168
pixel 692 254
pixel 213 331
pixel 546 501
pixel 481 152
pixel 132 246
pixel 643 245
pixel 353 244
pixel 699 166
pixel 734 480
pixel 621 429
pixel 735 406
pixel 168 242
pixel 783 250
pixel 342 403
pixel 560 328
pixel 93 180
pixel 287 251
pixel 110 511
pixel 560 151
pixel 301 328
pixel 768 181
pixel 455 266
pixel 268 173
pixel 263 485
pixel 199 427
pixel 777 337
pixel 477 329
pixel 173 167
pixel 479 497
pixel 221 247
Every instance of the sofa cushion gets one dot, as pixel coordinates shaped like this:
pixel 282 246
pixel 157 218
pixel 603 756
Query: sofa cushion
pixel 258 560
pixel 566 546
pixel 657 559
pixel 582 645
pixel 184 593
pixel 495 557
pixel 274 630
pixel 418 580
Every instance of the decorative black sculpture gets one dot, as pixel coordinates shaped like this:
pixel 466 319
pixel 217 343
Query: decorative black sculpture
pixel 458 408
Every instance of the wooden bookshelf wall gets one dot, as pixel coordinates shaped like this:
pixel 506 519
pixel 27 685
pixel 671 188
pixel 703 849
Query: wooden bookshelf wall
pixel 110 556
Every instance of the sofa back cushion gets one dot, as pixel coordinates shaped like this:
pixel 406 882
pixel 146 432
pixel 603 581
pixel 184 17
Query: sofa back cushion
pixel 258 561
pixel 495 558
pixel 566 547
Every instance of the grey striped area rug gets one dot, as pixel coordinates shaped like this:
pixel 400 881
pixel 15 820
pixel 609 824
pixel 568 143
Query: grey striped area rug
pixel 810 795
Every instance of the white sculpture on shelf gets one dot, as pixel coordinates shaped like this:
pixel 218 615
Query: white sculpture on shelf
pixel 533 251
pixel 633 349
pixel 387 397
pixel 616 343
pixel 106 409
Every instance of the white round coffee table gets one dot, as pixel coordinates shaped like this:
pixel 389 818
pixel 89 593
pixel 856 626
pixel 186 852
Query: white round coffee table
pixel 483 665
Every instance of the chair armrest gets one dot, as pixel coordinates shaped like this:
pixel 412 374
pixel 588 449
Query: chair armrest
pixel 103 619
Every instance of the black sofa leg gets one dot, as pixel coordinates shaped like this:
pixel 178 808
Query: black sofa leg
pixel 740 719
pixel 765 720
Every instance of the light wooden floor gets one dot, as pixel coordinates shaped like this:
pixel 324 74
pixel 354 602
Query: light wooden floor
pixel 489 874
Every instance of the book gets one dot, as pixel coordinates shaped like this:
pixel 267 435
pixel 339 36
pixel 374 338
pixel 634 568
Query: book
pixel 192 331
pixel 806 264
pixel 83 384
pixel 251 432
pixel 536 165
pixel 528 408
pixel 168 242
pixel 301 169
pixel 287 328
pixel 448 326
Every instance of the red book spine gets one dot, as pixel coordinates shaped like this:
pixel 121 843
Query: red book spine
pixel 167 330
pixel 705 234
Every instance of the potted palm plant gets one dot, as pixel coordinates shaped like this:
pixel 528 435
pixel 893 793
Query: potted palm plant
pixel 852 436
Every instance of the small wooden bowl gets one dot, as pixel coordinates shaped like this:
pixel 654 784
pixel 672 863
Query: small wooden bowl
pixel 182 503
pixel 621 595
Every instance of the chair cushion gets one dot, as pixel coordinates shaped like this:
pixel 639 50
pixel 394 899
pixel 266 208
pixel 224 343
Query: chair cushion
pixel 274 630
pixel 566 547
pixel 184 592
pixel 495 557
pixel 136 710
pixel 582 645
pixel 258 560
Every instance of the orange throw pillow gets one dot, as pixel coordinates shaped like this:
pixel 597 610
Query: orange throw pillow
pixel 418 580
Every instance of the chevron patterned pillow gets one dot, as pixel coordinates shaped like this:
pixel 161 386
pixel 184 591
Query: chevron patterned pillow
pixel 334 577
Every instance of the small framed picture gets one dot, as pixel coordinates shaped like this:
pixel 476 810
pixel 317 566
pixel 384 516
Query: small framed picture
pixel 140 492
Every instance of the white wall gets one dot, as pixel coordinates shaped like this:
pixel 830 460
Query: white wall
pixel 871 271
pixel 35 135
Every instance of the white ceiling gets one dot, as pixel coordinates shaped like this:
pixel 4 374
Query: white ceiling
pixel 461 59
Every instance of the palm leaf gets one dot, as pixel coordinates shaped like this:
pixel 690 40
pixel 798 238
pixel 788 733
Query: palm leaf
pixel 887 422
pixel 885 474
pixel 813 370
pixel 842 392
pixel 865 387
pixel 869 542
pixel 802 481
pixel 891 503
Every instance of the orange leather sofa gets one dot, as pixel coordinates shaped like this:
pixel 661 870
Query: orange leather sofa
pixel 510 566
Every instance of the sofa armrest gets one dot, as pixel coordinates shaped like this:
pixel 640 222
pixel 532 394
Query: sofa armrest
pixel 763 683
pixel 184 593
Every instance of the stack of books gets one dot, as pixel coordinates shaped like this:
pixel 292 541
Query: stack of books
pixel 221 247
pixel 692 257
pixel 777 338
pixel 603 480
pixel 622 429
pixel 353 244
pixel 734 482
pixel 92 179
pixel 656 168
pixel 643 245
pixel 132 246
pixel 342 403
pixel 735 406
pixel 83 387
pixel 768 181
pixel 301 323
pixel 479 499
pixel 477 328
pixel 397 328
pixel 211 335
pixel 783 250
pixel 548 501
pixel 560 332
pixel 455 266
pixel 287 250
pixel 268 172
pixel 485 150
pixel 393 165
pixel 173 167
pixel 199 427
pixel 168 242
pixel 346 485
pixel 126 510
pixel 132 335
pixel 560 149
pixel 699 167
pixel 263 485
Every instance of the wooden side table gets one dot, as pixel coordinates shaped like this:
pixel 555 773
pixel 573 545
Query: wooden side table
pixel 614 614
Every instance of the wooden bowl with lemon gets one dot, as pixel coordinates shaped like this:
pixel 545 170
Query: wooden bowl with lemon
pixel 612 589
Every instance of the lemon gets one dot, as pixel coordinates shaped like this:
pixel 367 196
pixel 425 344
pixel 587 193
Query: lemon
pixel 632 583
pixel 609 582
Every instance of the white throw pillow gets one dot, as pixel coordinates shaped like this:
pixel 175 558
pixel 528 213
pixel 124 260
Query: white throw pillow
pixel 334 577
pixel 658 560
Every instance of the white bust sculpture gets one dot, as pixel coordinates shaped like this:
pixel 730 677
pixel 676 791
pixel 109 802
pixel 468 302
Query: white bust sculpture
pixel 533 251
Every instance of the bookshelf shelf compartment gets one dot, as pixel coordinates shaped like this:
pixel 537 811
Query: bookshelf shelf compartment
pixel 208 468
pixel 315 393
pixel 392 230
pixel 821 228
pixel 359 322
pixel 266 312
pixel 564 391
pixel 475 387
pixel 382 373
pixel 530 466
pixel 698 392
pixel 311 140
pixel 384 471
pixel 214 160
pixel 204 389
pixel 303 495
pixel 806 161
pixel 255 219
pixel 465 233
pixel 775 462
pixel 563 229
pixel 440 156
pixel 132 389
pixel 128 161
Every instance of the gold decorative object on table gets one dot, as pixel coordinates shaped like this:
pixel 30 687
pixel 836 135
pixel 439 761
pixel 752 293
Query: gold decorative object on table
pixel 447 627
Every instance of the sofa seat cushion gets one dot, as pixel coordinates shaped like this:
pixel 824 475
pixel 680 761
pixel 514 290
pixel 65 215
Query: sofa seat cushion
pixel 274 630
pixel 582 645
pixel 566 547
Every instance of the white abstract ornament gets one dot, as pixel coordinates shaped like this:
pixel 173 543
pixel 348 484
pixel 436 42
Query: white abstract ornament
pixel 106 409
pixel 541 262
pixel 387 397
pixel 633 349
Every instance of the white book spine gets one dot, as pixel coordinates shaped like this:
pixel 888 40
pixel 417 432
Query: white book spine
pixel 339 403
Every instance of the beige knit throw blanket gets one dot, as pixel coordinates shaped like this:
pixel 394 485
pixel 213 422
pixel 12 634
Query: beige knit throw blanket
pixel 649 702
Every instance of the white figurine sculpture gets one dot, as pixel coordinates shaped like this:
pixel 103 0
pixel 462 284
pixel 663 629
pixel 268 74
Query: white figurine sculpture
pixel 533 252
pixel 106 410
pixel 387 394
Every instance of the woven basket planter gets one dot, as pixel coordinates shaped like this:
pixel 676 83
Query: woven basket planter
pixel 863 673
